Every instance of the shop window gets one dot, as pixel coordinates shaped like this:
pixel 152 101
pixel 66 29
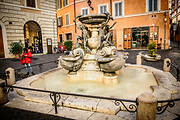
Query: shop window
pixel 103 8
pixel 67 19
pixel 31 3
pixel 69 36
pixel 65 3
pixel 118 9
pixel 152 5
pixel 84 11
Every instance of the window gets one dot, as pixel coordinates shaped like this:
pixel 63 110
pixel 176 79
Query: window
pixel 59 22
pixel 152 5
pixel 118 9
pixel 31 3
pixel 59 5
pixel 60 38
pixel 84 11
pixel 67 19
pixel 103 8
pixel 65 3
pixel 69 36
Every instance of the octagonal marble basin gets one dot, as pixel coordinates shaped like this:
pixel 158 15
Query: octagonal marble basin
pixel 132 82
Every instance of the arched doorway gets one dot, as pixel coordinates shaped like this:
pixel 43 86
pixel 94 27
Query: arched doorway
pixel 1 44
pixel 33 37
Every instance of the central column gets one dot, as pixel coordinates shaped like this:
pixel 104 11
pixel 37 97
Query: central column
pixel 90 67
pixel 93 41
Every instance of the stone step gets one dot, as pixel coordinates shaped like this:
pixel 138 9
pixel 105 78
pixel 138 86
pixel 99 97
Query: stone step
pixel 19 103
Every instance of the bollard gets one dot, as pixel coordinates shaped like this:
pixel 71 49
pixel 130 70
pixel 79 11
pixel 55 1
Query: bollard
pixel 146 109
pixel 10 76
pixel 138 60
pixel 3 96
pixel 167 65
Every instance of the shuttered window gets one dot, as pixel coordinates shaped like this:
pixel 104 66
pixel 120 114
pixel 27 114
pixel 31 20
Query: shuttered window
pixel 59 5
pixel 118 9
pixel 67 19
pixel 103 9
pixel 59 22
pixel 84 11
pixel 152 5
pixel 65 3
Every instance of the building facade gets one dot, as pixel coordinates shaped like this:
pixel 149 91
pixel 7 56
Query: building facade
pixel 138 22
pixel 33 22
pixel 174 12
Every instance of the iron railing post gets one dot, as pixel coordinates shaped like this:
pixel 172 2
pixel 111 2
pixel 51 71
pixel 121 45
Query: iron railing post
pixel 55 103
pixel 55 97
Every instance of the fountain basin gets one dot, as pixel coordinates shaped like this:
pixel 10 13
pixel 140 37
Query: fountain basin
pixel 94 19
pixel 137 79
pixel 134 80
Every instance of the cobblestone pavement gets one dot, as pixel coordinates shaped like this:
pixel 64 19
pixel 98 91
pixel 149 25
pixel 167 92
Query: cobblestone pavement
pixel 36 60
pixel 174 55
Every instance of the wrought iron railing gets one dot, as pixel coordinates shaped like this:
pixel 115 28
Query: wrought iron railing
pixel 132 105
pixel 56 96
pixel 165 104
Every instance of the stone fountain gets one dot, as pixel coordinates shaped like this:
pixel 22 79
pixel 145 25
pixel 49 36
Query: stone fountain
pixel 95 68
pixel 94 57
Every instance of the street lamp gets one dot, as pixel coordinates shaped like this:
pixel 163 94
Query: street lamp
pixel 165 21
pixel 54 31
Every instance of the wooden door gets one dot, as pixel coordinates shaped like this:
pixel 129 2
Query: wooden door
pixel 1 44
pixel 127 36
pixel 49 45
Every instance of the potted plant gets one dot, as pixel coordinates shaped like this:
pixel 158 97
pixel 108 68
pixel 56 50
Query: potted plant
pixel 16 48
pixel 68 45
pixel 152 55
pixel 152 49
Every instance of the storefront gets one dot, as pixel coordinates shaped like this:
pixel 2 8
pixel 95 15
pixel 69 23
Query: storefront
pixel 139 37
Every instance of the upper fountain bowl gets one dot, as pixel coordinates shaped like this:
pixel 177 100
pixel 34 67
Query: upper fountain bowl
pixel 94 19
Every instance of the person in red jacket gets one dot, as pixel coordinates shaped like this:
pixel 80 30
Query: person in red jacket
pixel 26 60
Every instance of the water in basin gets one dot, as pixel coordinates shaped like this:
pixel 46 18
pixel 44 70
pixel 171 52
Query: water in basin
pixel 132 82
